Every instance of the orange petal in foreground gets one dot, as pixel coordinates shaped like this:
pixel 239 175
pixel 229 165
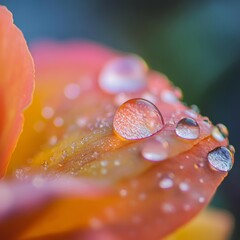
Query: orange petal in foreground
pixel 106 170
pixel 16 84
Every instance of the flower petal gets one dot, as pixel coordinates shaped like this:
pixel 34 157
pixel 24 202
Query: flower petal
pixel 73 135
pixel 16 84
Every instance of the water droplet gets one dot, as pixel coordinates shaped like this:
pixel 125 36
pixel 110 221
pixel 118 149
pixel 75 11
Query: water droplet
pixel 220 132
pixel 221 159
pixel 137 119
pixel 47 112
pixel 53 140
pixel 123 74
pixel 104 163
pixel 168 208
pixel 184 186
pixel 191 113
pixel 123 193
pixel 81 121
pixel 58 121
pixel 155 150
pixel 232 149
pixel 195 108
pixel 169 97
pixel 188 128
pixel 201 199
pixel 166 183
pixel 72 91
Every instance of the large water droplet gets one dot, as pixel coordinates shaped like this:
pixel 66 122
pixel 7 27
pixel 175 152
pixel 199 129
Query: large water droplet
pixel 187 128
pixel 123 74
pixel 220 132
pixel 155 149
pixel 137 119
pixel 221 159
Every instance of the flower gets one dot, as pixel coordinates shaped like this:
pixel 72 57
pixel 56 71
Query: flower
pixel 87 165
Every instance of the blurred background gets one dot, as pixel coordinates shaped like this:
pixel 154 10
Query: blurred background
pixel 195 43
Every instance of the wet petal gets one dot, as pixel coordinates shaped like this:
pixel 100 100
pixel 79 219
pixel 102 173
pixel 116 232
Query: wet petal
pixel 16 84
pixel 69 131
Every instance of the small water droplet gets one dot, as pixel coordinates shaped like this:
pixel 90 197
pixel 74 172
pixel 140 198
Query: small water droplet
pixel 169 97
pixel 123 74
pixel 183 186
pixel 221 159
pixel 191 113
pixel 195 108
pixel 72 91
pixel 58 121
pixel 187 128
pixel 201 180
pixel 168 208
pixel 201 199
pixel 117 163
pixel 231 149
pixel 47 112
pixel 104 163
pixel 220 132
pixel 155 150
pixel 123 193
pixel 81 122
pixel 166 183
pixel 137 119
pixel 53 140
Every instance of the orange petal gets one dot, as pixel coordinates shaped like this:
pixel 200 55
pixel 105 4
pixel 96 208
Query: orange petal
pixel 16 84
pixel 74 136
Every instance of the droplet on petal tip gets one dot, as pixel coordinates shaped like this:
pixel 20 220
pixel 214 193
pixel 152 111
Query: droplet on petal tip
pixel 124 74
pixel 187 128
pixel 220 132
pixel 137 119
pixel 221 159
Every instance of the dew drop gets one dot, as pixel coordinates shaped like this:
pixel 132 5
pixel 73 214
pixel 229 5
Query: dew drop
pixel 195 108
pixel 155 150
pixel 187 128
pixel 72 91
pixel 221 159
pixel 166 183
pixel 123 74
pixel 123 193
pixel 232 149
pixel 183 186
pixel 137 119
pixel 220 132
pixel 58 121
pixel 47 112
pixel 201 199
pixel 169 97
